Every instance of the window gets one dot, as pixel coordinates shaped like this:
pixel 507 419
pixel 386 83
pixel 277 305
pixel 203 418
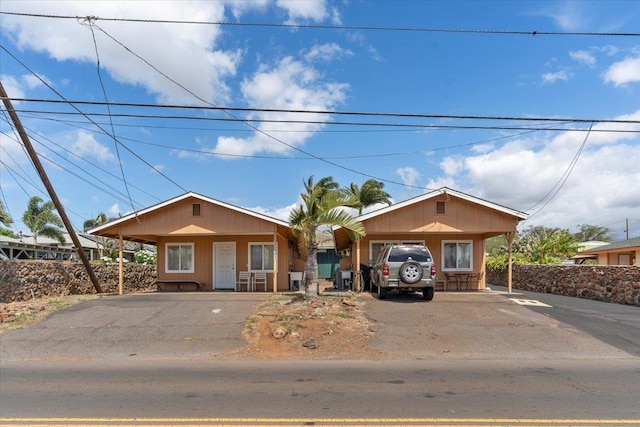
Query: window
pixel 457 255
pixel 261 256
pixel 440 208
pixel 179 258
pixel 196 209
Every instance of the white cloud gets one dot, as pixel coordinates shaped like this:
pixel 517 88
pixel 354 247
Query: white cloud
pixel 623 72
pixel 554 77
pixel 67 40
pixel 85 145
pixel 281 213
pixel 409 175
pixel 304 10
pixel 523 173
pixel 290 85
pixel 114 211
pixel 584 57
pixel 568 15
pixel 326 52
pixel 13 87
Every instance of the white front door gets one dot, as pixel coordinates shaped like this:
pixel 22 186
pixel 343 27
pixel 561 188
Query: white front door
pixel 224 265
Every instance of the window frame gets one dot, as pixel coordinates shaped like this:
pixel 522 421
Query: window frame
pixel 191 245
pixel 262 252
pixel 457 267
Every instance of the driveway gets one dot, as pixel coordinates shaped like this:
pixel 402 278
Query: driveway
pixel 159 325
pixel 472 325
pixel 199 326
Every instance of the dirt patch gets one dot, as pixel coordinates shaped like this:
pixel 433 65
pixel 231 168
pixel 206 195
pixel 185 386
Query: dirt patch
pixel 290 327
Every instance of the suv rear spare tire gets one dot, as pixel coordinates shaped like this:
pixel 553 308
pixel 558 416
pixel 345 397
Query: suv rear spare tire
pixel 410 272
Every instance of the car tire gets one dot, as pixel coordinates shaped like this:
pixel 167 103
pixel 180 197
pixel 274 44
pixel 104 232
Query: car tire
pixel 382 293
pixel 411 272
pixel 428 293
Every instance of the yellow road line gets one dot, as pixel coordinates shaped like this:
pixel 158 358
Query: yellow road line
pixel 324 422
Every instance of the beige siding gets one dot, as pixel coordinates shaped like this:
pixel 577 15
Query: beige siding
pixel 203 258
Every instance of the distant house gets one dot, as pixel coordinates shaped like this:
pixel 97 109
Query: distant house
pixel 25 247
pixel 454 226
pixel 626 252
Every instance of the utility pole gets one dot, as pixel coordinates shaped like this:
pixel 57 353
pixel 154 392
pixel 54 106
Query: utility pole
pixel 45 180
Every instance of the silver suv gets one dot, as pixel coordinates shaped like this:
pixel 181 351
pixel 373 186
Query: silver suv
pixel 404 268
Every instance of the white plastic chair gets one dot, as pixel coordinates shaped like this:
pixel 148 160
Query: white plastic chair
pixel 260 279
pixel 295 276
pixel 244 278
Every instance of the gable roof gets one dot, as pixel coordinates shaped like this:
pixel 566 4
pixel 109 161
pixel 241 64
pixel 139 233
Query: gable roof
pixel 342 239
pixel 132 216
pixel 443 191
pixel 615 247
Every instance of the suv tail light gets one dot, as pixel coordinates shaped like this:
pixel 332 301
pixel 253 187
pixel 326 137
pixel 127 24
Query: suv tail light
pixel 385 270
pixel 433 269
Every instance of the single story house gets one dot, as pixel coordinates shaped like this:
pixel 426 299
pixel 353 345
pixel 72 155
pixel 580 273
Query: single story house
pixel 203 240
pixel 209 242
pixel 453 225
pixel 626 252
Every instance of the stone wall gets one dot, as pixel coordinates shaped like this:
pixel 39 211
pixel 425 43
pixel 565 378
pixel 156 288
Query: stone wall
pixel 24 280
pixel 618 284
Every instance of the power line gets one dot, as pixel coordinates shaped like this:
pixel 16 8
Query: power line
pixel 326 112
pixel 335 27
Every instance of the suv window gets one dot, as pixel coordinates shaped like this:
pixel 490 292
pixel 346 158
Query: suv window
pixel 416 254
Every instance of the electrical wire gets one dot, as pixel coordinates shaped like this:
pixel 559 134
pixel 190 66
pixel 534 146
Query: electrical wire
pixel 89 24
pixel 336 27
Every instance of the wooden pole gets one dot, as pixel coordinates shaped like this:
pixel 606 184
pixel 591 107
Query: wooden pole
pixel 45 180
pixel 510 236
pixel 120 264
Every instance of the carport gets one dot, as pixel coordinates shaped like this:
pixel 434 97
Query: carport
pixel 454 226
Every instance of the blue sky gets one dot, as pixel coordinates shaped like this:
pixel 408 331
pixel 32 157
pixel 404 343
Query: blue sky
pixel 561 177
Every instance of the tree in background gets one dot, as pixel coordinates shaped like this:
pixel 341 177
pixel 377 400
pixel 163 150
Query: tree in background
pixel 542 245
pixel 536 245
pixel 371 193
pixel 41 219
pixel 321 206
pixel 593 232
pixel 5 219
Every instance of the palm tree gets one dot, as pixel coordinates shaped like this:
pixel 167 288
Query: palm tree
pixel 41 219
pixel 371 193
pixel 4 216
pixel 6 220
pixel 320 206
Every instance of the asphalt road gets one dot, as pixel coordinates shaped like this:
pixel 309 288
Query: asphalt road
pixel 463 359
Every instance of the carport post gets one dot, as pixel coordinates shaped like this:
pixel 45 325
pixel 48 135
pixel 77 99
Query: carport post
pixel 510 236
pixel 121 265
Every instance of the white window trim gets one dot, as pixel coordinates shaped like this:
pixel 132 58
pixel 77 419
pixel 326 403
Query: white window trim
pixel 263 244
pixel 166 257
pixel 470 242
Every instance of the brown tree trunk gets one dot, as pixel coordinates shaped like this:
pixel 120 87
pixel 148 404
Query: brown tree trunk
pixel 311 286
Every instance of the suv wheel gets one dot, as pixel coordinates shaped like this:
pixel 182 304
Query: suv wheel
pixel 427 293
pixel 411 272
pixel 382 292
